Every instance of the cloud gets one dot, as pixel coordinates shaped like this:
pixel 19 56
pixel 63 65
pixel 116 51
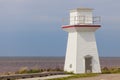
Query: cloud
pixel 36 12
pixel 35 17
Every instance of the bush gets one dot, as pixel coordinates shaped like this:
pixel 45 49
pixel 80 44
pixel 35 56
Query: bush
pixel 23 70
pixel 106 70
pixel 58 69
pixel 33 71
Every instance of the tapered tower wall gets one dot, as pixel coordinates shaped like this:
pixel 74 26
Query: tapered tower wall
pixel 81 54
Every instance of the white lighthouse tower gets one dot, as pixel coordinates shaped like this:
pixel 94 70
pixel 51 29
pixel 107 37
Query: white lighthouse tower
pixel 81 54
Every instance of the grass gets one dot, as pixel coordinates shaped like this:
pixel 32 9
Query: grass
pixel 106 70
pixel 73 76
pixel 25 70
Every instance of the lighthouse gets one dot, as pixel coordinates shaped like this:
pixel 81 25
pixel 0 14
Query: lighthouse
pixel 82 54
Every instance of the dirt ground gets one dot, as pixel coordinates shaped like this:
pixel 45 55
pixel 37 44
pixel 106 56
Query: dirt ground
pixel 102 77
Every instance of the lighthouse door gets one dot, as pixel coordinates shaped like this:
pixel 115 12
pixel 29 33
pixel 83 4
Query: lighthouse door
pixel 88 64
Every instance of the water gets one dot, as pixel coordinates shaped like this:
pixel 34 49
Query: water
pixel 110 62
pixel 12 64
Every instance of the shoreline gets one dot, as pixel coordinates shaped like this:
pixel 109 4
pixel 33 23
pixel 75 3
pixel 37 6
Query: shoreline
pixel 14 64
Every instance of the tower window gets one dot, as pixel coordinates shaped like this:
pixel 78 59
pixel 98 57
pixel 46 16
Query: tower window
pixel 70 65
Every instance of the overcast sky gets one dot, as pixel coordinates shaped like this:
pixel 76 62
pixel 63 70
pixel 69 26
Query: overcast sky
pixel 33 27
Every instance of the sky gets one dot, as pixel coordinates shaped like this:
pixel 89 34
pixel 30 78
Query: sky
pixel 33 27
